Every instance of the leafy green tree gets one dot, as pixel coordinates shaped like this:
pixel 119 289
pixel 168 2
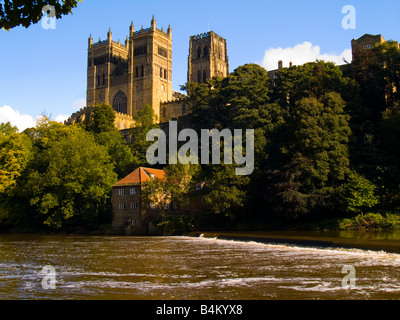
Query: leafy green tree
pixel 69 181
pixel 313 79
pixel 176 186
pixel 228 192
pixel 240 101
pixel 145 120
pixel 23 12
pixel 389 146
pixel 102 125
pixel 102 119
pixel 118 150
pixel 321 132
pixel 376 72
pixel 15 153
pixel 7 128
pixel 315 157
pixel 359 195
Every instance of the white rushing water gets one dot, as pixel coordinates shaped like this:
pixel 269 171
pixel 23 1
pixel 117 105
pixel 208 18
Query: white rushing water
pixel 189 268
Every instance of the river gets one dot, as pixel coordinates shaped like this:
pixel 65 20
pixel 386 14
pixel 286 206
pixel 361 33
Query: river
pixel 186 268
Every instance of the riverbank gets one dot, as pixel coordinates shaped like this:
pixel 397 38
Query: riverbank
pixel 376 241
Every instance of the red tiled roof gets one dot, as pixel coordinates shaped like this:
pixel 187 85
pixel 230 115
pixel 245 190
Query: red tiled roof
pixel 141 175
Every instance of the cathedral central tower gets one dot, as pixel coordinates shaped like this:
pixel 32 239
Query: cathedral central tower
pixel 208 57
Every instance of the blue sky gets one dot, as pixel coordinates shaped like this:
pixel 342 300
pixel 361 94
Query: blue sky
pixel 44 71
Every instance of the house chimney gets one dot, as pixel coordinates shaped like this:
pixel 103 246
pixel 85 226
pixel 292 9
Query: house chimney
pixel 291 64
pixel 280 64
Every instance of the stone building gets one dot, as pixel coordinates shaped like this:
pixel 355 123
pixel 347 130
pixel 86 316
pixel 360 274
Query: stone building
pixel 129 215
pixel 366 42
pixel 208 57
pixel 129 75
pixel 132 216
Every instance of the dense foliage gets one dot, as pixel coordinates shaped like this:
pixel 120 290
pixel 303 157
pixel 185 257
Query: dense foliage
pixel 26 12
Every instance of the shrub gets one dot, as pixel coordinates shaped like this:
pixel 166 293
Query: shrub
pixel 175 225
pixel 371 221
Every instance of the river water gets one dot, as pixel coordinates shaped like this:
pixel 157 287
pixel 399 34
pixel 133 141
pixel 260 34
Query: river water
pixel 183 268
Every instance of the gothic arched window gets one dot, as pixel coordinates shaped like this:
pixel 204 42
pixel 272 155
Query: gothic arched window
pixel 198 52
pixel 120 103
pixel 204 76
pixel 205 51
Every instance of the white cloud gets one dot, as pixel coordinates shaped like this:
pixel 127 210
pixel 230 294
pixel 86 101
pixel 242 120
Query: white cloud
pixel 61 118
pixel 22 121
pixel 79 104
pixel 301 54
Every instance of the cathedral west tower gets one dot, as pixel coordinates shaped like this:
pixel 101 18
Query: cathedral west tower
pixel 130 75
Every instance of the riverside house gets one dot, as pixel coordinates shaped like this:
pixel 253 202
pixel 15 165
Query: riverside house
pixel 131 216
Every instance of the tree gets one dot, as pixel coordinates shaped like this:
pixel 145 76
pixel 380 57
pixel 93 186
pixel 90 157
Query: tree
pixel 320 132
pixel 376 72
pixel 176 187
pixel 359 195
pixel 7 128
pixel 145 121
pixel 240 101
pixel 314 156
pixel 102 125
pixel 311 79
pixel 15 153
pixel 69 181
pixel 23 12
pixel 236 101
pixel 102 119
pixel 228 193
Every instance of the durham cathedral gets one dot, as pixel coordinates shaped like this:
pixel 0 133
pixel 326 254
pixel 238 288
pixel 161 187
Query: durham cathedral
pixel 138 72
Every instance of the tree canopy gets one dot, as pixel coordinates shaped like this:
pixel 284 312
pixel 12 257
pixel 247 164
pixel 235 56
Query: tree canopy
pixel 14 13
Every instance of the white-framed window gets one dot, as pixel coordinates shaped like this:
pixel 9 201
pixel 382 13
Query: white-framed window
pixel 121 206
pixel 121 192
pixel 133 192
pixel 166 206
pixel 152 205
pixel 133 205
pixel 174 205
pixel 134 223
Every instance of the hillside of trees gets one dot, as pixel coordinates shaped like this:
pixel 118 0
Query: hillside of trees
pixel 327 153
